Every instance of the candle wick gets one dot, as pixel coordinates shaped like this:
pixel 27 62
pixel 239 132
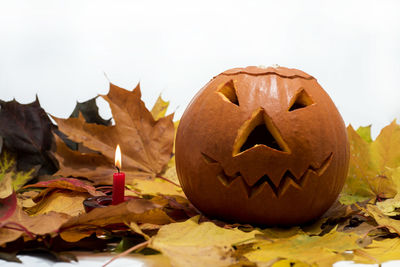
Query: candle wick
pixel 117 169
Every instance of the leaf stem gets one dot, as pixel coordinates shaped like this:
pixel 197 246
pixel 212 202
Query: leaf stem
pixel 18 228
pixel 126 252
pixel 168 180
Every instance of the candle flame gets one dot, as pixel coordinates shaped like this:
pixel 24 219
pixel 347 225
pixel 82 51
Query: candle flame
pixel 118 157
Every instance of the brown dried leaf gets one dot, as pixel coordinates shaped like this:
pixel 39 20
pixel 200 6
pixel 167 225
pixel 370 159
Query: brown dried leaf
pixel 70 184
pixel 146 144
pixel 135 210
pixel 38 225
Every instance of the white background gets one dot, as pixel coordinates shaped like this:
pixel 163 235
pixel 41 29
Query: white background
pixel 60 50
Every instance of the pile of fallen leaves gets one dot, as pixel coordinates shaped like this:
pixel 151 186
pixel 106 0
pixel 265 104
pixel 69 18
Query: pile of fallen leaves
pixel 48 170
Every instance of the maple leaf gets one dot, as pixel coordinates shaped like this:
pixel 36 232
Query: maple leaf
pixel 61 201
pixel 90 112
pixel 21 224
pixel 371 163
pixel 146 143
pixel 379 251
pixel 135 210
pixel 26 131
pixel 391 224
pixel 391 206
pixel 320 250
pixel 192 244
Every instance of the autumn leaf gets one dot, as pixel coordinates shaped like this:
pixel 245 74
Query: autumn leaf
pixel 64 195
pixel 67 202
pixel 10 182
pixel 6 188
pixel 7 167
pixel 192 244
pixel 135 210
pixel 90 112
pixel 26 131
pixel 160 108
pixel 391 206
pixel 157 186
pixel 379 251
pixel 370 164
pixel 365 133
pixel 8 206
pixel 68 183
pixel 391 224
pixel 146 144
pixel 21 224
pixel 320 250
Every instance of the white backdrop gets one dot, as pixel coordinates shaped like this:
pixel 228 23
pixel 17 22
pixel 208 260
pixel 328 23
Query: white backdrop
pixel 60 50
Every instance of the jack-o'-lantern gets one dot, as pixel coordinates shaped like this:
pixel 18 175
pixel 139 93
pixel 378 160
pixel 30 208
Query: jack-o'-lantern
pixel 262 145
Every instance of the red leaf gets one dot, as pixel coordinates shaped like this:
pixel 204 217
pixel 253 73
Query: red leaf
pixel 8 206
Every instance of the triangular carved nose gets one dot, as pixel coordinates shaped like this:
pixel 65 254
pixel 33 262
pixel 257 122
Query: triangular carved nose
pixel 259 130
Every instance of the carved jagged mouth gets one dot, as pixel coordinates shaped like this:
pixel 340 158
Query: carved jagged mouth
pixel 288 179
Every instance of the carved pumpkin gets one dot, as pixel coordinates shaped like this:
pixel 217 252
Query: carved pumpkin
pixel 262 145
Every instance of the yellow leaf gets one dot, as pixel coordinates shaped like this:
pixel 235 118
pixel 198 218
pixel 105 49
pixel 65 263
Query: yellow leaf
pixel 385 150
pixel 365 133
pixel 322 250
pixel 6 162
pixel 60 201
pixel 192 244
pixel 390 207
pixel 276 232
pixel 160 108
pixel 157 186
pixel 383 220
pixel 136 229
pixel 170 172
pixel 371 163
pixel 14 179
pixel 289 263
pixel 379 251
pixel 360 169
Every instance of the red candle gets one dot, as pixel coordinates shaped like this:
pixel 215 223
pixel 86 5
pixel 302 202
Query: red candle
pixel 118 193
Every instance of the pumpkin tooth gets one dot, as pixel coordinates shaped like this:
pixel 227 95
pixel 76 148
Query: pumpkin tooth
pixel 322 168
pixel 288 179
pixel 208 159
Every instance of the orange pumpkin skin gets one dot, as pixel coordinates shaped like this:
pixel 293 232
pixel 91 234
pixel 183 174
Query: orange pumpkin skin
pixel 262 145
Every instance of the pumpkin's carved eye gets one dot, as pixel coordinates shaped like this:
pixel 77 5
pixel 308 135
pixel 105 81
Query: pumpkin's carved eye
pixel 259 130
pixel 228 92
pixel 301 100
